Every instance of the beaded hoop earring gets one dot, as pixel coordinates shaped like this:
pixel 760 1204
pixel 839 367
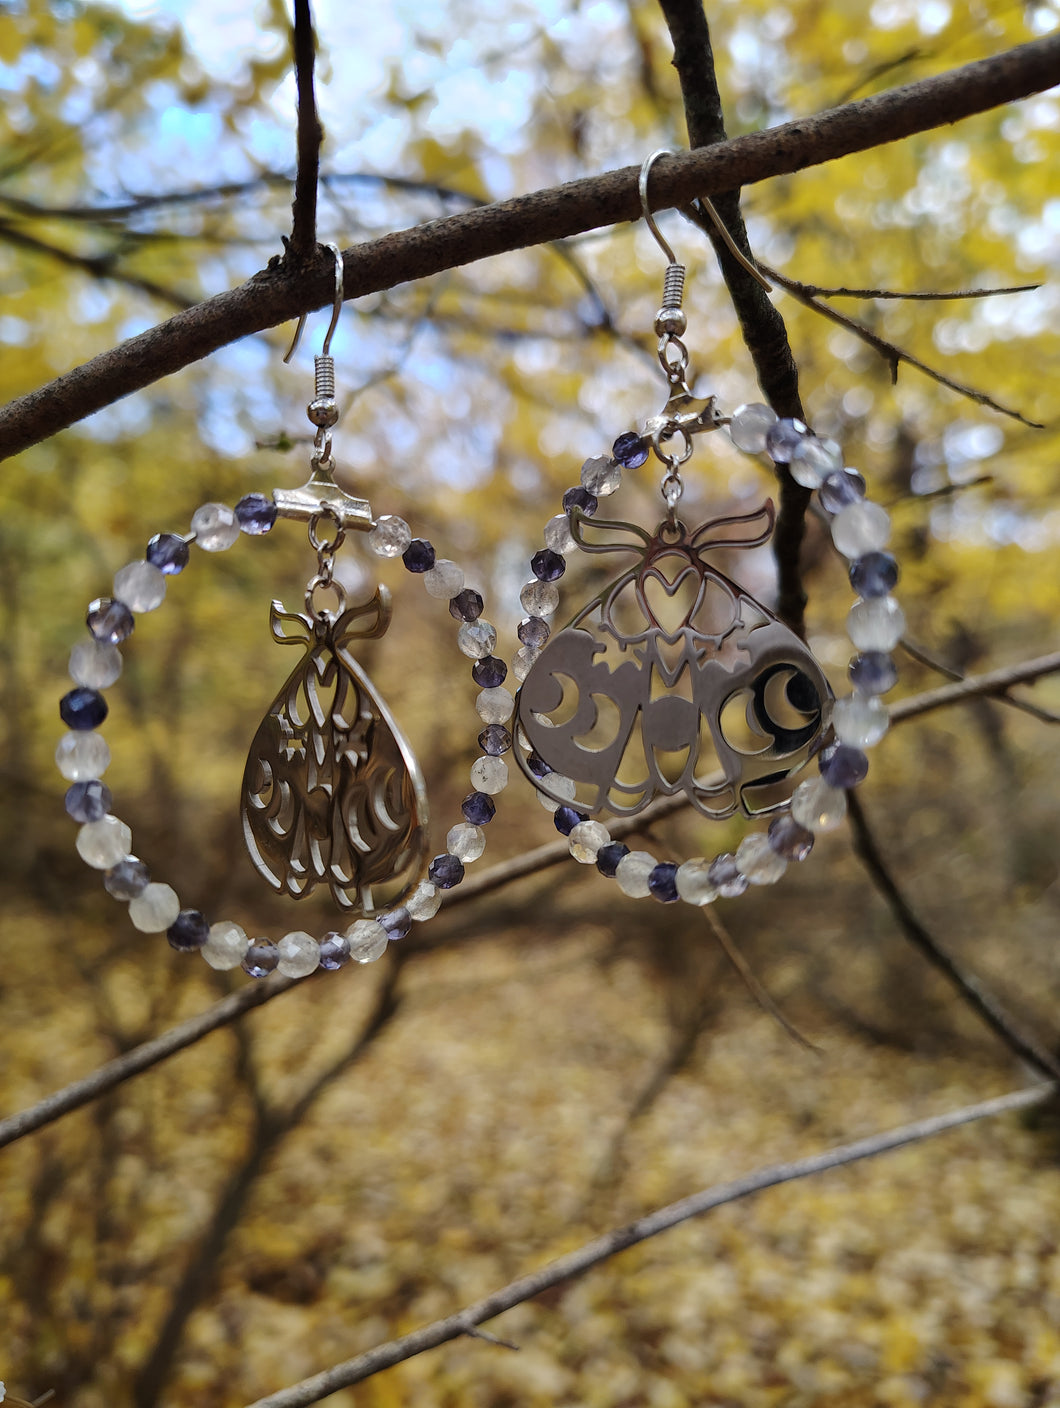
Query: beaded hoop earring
pixel 672 661
pixel 332 793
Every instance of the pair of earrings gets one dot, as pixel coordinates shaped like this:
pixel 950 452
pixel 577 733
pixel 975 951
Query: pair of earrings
pixel 671 681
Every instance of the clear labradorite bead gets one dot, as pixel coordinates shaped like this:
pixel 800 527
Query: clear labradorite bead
pixel 876 624
pixel 564 788
pixel 226 946
pixel 140 585
pixel 601 476
pixel 558 535
pixel 632 873
pixel 489 775
pixel 95 663
pixel 390 536
pixel 818 806
pixel 494 706
pixel 425 901
pixel 539 598
pixel 586 840
pixel 102 844
pixel 129 878
pixel 812 460
pixel 443 580
pixel 748 429
pixel 523 661
pixel 860 722
pixel 368 940
pixel 215 527
pixel 299 954
pixel 693 881
pixel 476 639
pixel 861 528
pixel 155 909
pixel 465 842
pixel 81 757
pixel 757 859
pixel 727 876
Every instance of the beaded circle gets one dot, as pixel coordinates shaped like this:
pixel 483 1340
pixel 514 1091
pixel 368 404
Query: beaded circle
pixel 83 755
pixel 860 531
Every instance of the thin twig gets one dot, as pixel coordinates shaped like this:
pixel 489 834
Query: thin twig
pixel 751 982
pixel 816 291
pixel 601 1249
pixel 996 685
pixel 302 244
pixel 276 295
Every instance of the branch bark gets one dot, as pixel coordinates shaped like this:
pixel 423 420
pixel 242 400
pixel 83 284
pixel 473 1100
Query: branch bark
pixel 278 294
pixel 303 240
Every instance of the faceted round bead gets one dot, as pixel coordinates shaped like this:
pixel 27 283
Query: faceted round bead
pixel 466 605
pixel 188 931
pixel 784 437
pixel 536 765
pixel 662 883
pixel 534 631
pixel 548 566
pixel 418 557
pixel 129 878
pixel 424 902
pixel 489 672
pixel 226 946
pixel 444 579
pixel 261 958
pixel 539 598
pixel 630 450
pixel 812 460
pixel 495 740
pixel 299 954
pixel 817 805
pixel 109 620
pixel 478 808
pixel 102 844
pixel 861 528
pixel 693 881
pixel 397 923
pixel 169 552
pixel 489 775
pixel 256 514
pixel 88 801
pixel 82 709
pixel 155 909
pixel 390 536
pixel 465 842
pixel 564 788
pixel 843 766
pixel 580 498
pixel 726 877
pixel 140 585
pixel 608 857
pixel 586 840
pixel 601 476
pixel 95 664
pixel 875 574
pixel 876 624
pixel 841 488
pixel 476 639
pixel 789 839
pixel 334 951
pixel 757 859
pixel 494 706
pixel 445 871
pixel 368 940
pixel 558 535
pixel 860 722
pixel 215 527
pixel 566 818
pixel 749 427
pixel 874 672
pixel 523 661
pixel 632 873
pixel 81 757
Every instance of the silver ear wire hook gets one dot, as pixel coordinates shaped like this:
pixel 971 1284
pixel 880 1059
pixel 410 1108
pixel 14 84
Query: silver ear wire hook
pixel 335 311
pixel 649 218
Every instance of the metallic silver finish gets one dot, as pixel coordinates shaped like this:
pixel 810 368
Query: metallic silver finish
pixel 332 792
pixel 635 707
pixel 320 496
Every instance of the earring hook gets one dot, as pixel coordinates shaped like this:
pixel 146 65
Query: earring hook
pixel 649 218
pixel 336 308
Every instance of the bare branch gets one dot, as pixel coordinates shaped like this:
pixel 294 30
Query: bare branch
pixel 950 295
pixel 277 294
pixel 303 240
pixel 601 1249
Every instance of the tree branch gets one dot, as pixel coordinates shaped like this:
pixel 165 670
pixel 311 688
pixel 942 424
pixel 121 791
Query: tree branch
pixel 302 244
pixel 277 294
pixel 601 1249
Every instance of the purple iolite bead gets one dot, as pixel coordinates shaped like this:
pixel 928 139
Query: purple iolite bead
pixel 82 708
pixel 445 871
pixel 479 808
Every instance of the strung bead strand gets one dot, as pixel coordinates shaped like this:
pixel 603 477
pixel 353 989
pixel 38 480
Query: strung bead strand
pixel 83 756
pixel 860 531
